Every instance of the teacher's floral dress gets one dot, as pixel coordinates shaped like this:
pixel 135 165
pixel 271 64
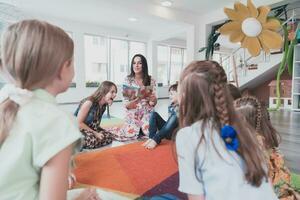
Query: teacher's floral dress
pixel 136 120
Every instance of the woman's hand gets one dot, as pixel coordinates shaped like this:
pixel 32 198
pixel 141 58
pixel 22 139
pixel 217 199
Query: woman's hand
pixel 132 104
pixel 152 100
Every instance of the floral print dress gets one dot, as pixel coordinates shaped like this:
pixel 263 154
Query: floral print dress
pixel 136 120
pixel 278 173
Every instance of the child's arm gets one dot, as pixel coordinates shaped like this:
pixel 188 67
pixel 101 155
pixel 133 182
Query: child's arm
pixel 54 176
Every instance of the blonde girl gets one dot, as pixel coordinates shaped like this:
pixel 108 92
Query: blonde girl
pixel 36 137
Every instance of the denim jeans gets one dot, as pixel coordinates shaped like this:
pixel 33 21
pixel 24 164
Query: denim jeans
pixel 160 129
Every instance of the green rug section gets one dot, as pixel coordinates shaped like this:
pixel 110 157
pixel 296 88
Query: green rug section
pixel 296 180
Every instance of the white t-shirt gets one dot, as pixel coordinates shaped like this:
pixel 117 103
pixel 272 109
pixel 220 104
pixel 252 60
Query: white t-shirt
pixel 214 177
pixel 40 131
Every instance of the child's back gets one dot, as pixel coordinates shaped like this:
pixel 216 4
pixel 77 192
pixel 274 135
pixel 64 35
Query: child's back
pixel 36 138
pixel 217 154
pixel 219 173
pixel 40 131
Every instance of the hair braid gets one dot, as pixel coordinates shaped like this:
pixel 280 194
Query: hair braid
pixel 220 80
pixel 258 110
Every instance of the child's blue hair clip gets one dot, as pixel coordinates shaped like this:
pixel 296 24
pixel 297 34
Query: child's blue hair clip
pixel 229 136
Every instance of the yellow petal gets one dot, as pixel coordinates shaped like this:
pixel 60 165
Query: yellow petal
pixel 263 13
pixel 252 9
pixel 252 44
pixel 272 24
pixel 265 48
pixel 230 27
pixel 236 36
pixel 234 16
pixel 271 39
pixel 242 10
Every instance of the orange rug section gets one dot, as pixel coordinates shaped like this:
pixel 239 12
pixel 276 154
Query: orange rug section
pixel 129 168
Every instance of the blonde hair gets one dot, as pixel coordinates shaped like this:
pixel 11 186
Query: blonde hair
pixel 32 54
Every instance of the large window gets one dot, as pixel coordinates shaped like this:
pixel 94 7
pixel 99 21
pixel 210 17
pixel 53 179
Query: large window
pixel 119 60
pixel 171 61
pixel 109 58
pixel 163 57
pixel 96 59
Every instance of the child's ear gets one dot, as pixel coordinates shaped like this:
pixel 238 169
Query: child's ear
pixel 64 69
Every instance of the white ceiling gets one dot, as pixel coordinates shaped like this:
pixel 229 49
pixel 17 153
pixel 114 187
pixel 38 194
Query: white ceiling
pixel 199 7
pixel 153 19
pixel 109 13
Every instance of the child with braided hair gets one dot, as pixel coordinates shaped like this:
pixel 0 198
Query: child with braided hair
pixel 218 156
pixel 258 117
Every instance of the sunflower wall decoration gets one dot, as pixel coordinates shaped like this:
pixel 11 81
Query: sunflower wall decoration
pixel 250 26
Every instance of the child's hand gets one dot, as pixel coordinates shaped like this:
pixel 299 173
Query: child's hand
pixel 88 194
pixel 99 135
pixel 71 180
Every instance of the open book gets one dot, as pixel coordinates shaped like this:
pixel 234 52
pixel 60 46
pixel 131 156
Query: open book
pixel 131 92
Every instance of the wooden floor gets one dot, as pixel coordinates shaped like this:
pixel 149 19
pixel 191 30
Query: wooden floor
pixel 287 123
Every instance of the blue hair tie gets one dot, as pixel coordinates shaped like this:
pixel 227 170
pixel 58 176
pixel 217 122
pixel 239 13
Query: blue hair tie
pixel 229 136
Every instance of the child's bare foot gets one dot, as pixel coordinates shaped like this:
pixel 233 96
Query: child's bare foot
pixel 88 194
pixel 146 143
pixel 151 144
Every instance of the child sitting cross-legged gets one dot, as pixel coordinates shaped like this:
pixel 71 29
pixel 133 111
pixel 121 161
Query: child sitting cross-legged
pixel 158 127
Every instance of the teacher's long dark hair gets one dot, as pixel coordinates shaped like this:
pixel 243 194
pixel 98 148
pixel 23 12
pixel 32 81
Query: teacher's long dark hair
pixel 146 76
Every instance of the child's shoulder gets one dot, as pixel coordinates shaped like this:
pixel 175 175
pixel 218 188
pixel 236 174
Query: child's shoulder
pixel 194 131
pixel 188 131
pixel 44 112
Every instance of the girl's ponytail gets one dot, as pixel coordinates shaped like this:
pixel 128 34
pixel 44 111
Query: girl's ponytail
pixel 8 112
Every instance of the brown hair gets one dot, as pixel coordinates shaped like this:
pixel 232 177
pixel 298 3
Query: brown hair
pixel 173 87
pixel 146 76
pixel 32 54
pixel 258 117
pixel 234 91
pixel 213 101
pixel 102 90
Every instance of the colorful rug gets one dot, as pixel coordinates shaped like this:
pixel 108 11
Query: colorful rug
pixel 131 169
